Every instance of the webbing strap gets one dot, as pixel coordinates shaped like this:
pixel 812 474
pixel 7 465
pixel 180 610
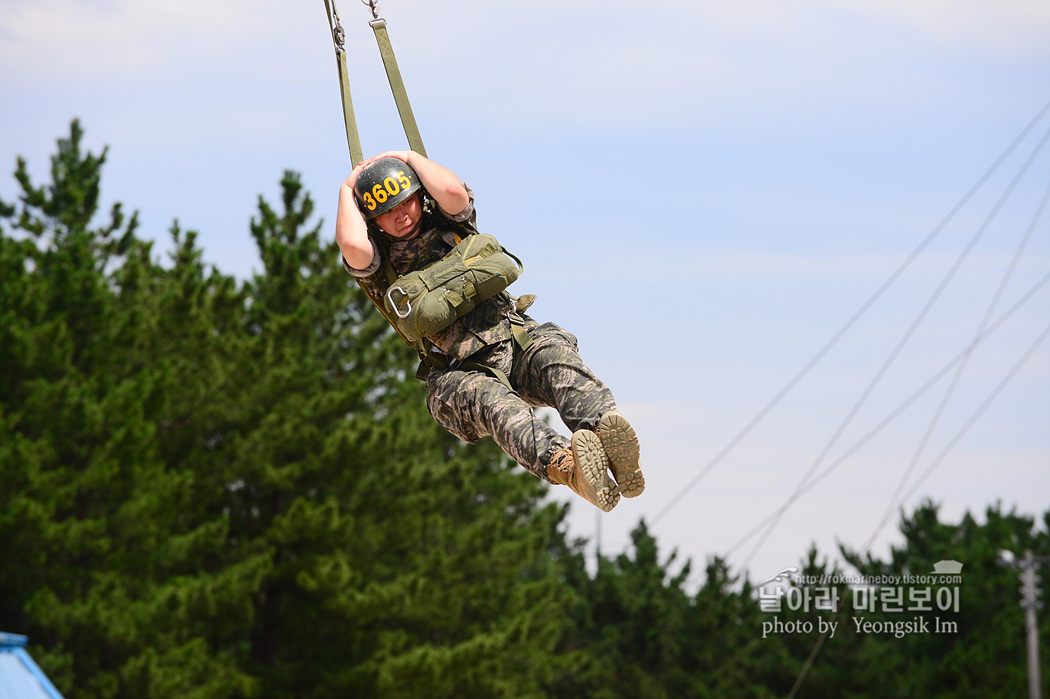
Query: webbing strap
pixel 391 277
pixel 519 332
pixel 491 370
pixel 523 338
pixel 353 140
pixel 397 86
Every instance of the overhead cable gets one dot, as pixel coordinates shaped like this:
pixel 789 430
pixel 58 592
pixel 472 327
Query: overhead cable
pixel 945 281
pixel 791 384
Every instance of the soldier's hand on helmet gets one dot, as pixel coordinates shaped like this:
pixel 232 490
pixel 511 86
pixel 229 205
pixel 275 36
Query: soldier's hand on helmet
pixel 399 154
pixel 352 179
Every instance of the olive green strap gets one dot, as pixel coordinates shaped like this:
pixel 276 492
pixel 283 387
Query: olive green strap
pixel 523 338
pixel 508 253
pixel 520 333
pixel 397 86
pixel 421 345
pixel 491 370
pixel 353 140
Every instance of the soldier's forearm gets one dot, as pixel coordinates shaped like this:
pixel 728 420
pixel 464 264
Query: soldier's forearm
pixel 351 231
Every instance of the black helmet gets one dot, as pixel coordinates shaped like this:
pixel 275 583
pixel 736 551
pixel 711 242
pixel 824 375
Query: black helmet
pixel 383 185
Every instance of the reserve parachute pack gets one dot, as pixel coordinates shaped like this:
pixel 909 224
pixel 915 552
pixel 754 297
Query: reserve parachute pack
pixel 426 301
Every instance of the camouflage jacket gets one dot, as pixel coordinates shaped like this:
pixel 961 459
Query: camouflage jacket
pixel 486 325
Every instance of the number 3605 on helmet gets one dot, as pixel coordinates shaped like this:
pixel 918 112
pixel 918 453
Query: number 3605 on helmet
pixel 383 185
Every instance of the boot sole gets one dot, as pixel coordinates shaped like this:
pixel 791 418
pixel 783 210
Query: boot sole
pixel 593 467
pixel 621 445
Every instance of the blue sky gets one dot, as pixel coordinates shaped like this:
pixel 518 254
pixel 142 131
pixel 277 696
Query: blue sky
pixel 704 192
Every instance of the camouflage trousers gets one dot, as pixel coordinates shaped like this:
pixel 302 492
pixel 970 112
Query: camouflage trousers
pixel 472 403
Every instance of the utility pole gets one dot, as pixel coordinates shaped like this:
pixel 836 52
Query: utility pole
pixel 1029 602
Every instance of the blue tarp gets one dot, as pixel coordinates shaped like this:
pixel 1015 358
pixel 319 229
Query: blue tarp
pixel 20 677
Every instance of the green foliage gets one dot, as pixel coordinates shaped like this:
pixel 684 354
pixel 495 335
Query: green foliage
pixel 985 658
pixel 639 632
pixel 223 488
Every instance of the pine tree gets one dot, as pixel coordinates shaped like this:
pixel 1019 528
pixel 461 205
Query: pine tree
pixel 633 633
pixel 101 347
pixel 984 654
pixel 223 489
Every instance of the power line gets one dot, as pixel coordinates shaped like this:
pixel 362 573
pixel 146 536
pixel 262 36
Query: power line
pixel 969 423
pixel 936 462
pixel 895 499
pixel 945 281
pixel 939 459
pixel 854 319
pixel 896 412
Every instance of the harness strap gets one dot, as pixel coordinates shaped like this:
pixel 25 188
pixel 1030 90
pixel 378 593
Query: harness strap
pixel 397 86
pixel 520 333
pixel 493 371
pixel 523 339
pixel 393 74
pixel 353 140
pixel 420 345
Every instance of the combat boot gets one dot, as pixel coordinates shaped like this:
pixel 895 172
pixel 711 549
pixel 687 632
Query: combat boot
pixel 585 469
pixel 621 446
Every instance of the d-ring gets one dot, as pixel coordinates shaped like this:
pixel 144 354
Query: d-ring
pixel 393 304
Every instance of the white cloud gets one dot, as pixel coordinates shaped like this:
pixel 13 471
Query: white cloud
pixel 716 63
pixel 65 41
pixel 580 61
pixel 1005 27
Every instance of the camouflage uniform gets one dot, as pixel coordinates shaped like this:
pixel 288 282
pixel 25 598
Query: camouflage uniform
pixel 470 401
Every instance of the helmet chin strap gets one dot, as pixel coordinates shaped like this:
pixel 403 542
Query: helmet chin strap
pixel 415 231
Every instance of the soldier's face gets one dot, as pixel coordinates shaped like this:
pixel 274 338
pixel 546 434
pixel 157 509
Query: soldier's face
pixel 401 221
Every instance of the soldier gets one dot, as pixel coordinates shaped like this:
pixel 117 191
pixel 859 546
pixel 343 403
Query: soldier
pixel 399 212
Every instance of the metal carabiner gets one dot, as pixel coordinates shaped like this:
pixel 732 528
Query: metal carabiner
pixel 393 304
pixel 339 37
pixel 372 5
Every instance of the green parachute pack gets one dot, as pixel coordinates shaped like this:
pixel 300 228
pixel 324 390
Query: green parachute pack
pixel 429 300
